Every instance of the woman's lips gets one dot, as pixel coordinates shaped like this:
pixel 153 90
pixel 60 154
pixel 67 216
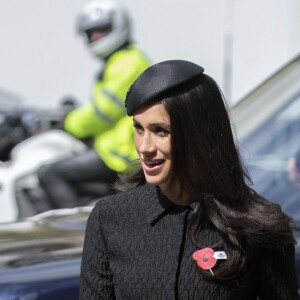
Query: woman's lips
pixel 152 167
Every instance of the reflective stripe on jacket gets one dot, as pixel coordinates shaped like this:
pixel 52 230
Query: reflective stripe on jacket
pixel 116 146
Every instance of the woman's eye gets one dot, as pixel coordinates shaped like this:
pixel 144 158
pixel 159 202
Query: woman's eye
pixel 138 127
pixel 162 131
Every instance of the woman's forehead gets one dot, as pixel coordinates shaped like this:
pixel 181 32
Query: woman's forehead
pixel 154 112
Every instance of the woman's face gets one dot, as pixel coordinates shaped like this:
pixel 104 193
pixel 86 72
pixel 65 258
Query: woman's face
pixel 152 140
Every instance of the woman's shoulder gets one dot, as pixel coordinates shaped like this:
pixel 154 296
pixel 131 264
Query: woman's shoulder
pixel 111 211
pixel 122 200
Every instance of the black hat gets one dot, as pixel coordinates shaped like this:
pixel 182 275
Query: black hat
pixel 158 79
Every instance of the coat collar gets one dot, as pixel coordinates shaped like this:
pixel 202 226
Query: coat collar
pixel 158 205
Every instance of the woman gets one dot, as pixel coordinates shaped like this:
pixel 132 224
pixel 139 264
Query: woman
pixel 189 227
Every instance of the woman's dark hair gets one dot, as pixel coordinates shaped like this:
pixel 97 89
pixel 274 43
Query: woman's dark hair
pixel 207 164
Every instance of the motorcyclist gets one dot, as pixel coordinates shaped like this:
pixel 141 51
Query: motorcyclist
pixel 106 28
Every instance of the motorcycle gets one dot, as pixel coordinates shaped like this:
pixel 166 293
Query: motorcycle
pixel 20 193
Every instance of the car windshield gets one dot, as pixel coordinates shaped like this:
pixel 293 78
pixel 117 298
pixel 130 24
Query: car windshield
pixel 270 134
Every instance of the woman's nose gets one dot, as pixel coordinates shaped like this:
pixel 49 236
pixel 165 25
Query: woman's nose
pixel 147 145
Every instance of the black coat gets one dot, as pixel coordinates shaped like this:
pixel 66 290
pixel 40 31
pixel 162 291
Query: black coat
pixel 137 247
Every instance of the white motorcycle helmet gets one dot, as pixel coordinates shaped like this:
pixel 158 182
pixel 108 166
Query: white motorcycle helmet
pixel 106 26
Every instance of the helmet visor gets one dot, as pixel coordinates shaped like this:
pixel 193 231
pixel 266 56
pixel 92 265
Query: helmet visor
pixel 97 33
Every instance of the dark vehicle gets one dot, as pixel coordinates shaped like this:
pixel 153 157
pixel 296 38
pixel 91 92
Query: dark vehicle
pixel 40 257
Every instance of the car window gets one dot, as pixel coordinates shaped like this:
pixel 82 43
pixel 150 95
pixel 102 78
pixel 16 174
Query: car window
pixel 266 150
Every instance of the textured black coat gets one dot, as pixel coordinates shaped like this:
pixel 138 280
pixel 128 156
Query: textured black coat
pixel 136 247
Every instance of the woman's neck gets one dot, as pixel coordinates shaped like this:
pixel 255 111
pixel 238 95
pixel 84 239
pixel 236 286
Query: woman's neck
pixel 174 194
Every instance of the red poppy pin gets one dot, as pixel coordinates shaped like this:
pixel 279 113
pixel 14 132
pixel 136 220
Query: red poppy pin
pixel 206 258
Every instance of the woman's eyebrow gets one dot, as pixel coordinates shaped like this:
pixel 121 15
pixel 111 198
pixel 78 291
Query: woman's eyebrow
pixel 167 125
pixel 164 124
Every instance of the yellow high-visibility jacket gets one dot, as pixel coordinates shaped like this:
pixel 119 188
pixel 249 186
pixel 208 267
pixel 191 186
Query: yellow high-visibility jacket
pixel 104 118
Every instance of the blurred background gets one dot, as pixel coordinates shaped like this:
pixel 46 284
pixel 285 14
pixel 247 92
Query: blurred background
pixel 239 43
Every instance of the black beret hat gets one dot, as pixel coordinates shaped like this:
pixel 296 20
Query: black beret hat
pixel 158 79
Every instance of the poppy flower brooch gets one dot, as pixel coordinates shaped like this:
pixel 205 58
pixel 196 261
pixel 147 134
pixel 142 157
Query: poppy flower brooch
pixel 206 258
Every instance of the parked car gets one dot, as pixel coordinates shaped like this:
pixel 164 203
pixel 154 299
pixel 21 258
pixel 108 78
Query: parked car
pixel 40 256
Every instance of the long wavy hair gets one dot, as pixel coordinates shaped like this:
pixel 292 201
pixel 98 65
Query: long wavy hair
pixel 207 164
